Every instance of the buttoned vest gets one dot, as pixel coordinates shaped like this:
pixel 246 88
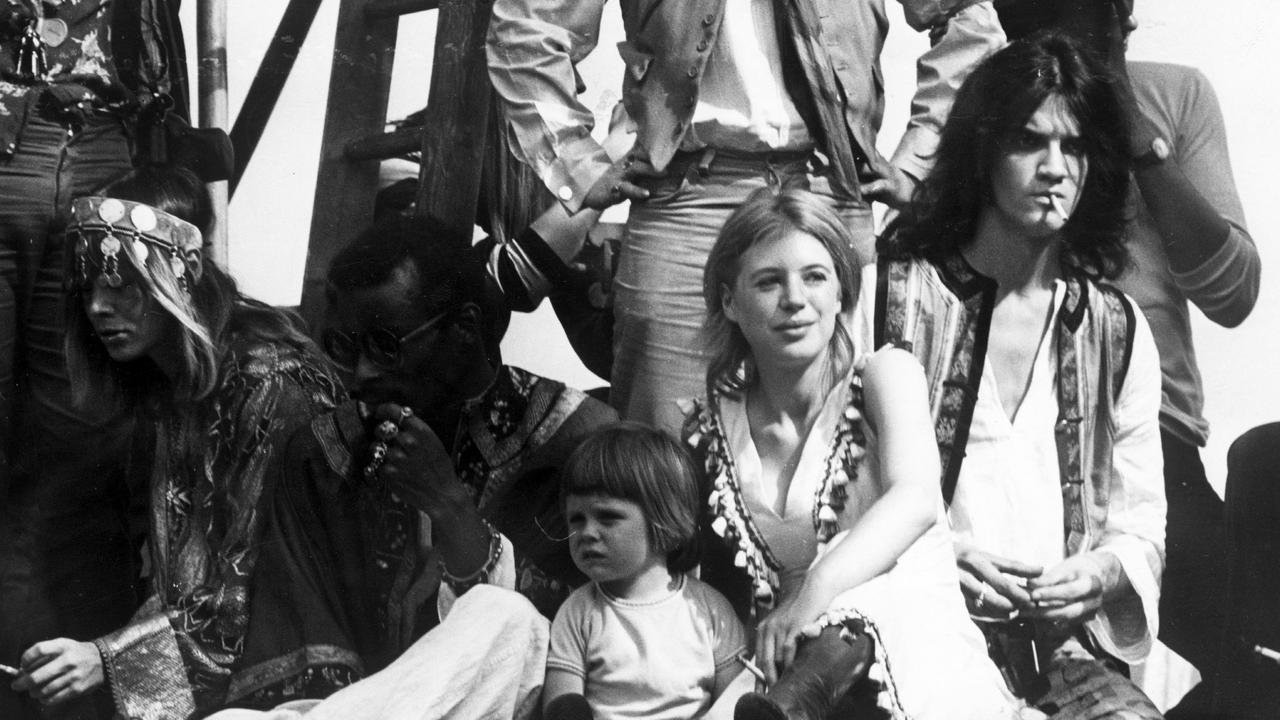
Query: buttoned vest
pixel 838 42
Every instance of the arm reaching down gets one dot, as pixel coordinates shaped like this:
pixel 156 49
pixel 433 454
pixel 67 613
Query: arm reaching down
pixel 898 412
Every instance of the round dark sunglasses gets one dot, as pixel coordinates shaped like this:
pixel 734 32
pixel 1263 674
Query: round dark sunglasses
pixel 379 345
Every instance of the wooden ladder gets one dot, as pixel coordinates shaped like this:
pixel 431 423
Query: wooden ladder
pixel 354 141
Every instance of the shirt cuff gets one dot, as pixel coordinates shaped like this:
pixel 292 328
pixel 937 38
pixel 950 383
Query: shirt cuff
pixel 144 668
pixel 579 163
pixel 1127 626
pixel 916 152
pixel 926 15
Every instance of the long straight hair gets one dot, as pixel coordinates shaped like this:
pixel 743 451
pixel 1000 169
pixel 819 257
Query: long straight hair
pixel 205 319
pixel 765 216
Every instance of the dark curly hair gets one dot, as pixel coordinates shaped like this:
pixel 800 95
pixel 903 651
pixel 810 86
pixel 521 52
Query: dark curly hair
pixel 992 106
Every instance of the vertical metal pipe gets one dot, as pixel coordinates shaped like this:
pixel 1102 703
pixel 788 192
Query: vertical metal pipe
pixel 211 49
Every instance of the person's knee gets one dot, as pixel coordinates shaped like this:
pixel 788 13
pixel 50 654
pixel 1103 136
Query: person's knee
pixel 506 606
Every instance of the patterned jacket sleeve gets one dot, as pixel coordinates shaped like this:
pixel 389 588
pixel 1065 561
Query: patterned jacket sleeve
pixel 175 656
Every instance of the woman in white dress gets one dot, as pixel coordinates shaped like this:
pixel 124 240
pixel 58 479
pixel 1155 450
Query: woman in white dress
pixel 825 523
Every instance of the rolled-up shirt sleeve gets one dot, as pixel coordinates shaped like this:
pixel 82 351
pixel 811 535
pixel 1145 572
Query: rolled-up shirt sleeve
pixel 533 46
pixel 962 34
pixel 1184 105
pixel 1127 625
pixel 1225 287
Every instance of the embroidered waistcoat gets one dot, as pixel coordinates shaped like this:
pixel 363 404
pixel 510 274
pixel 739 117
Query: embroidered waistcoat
pixel 942 312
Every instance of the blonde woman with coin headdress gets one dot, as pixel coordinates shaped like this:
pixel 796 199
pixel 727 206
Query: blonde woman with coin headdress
pixel 216 382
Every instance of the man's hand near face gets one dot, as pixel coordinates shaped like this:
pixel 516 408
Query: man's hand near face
pixel 418 467
pixel 420 471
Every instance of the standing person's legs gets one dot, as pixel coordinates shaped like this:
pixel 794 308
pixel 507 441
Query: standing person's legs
pixel 75 454
pixel 52 164
pixel 28 187
pixel 1248 686
pixel 28 199
pixel 658 306
pixel 1192 593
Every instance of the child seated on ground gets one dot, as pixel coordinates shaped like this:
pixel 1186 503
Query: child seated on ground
pixel 642 639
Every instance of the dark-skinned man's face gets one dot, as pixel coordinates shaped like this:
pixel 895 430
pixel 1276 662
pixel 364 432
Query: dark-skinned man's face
pixel 404 350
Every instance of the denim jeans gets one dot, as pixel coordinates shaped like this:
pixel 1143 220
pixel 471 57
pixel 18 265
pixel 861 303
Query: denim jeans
pixel 67 567
pixel 658 355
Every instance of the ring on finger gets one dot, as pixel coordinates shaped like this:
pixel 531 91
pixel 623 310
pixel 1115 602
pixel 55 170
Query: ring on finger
pixel 378 456
pixel 982 598
pixel 386 430
pixel 406 412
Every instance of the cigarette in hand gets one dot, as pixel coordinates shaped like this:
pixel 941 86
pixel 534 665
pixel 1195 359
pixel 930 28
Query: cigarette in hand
pixel 1267 653
pixel 7 670
pixel 751 667
pixel 1057 206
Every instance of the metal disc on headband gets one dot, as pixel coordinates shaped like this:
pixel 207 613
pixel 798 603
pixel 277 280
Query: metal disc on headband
pixel 53 31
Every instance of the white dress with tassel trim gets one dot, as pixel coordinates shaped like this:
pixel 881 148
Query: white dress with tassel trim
pixel 931 660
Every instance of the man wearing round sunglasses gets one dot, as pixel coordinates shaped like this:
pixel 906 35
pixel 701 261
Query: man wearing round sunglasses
pixel 441 475
pixel 379 345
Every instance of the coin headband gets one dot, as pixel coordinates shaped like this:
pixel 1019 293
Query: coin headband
pixel 122 221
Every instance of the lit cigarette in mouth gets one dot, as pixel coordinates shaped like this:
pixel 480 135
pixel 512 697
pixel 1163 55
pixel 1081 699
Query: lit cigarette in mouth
pixel 1057 206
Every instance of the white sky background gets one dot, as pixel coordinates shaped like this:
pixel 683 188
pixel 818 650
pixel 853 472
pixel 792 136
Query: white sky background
pixel 1229 40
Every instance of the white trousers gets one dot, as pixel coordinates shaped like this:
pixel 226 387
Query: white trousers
pixel 485 661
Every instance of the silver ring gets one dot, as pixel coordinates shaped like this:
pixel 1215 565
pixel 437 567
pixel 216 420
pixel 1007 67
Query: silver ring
pixel 379 456
pixel 406 412
pixel 386 430
pixel 982 598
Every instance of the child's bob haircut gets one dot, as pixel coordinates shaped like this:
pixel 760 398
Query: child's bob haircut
pixel 635 462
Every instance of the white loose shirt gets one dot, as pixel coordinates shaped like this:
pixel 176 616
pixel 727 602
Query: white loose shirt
pixel 1008 499
pixel 743 102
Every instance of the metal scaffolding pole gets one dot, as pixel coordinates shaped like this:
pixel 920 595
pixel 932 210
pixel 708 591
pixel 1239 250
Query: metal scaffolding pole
pixel 211 49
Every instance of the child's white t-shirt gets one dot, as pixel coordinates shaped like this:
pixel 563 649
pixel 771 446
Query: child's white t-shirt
pixel 653 660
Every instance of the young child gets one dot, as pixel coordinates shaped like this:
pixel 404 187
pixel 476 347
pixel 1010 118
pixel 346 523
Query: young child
pixel 642 639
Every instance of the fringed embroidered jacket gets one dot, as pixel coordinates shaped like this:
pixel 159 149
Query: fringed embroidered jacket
pixel 352 573
pixel 214 463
